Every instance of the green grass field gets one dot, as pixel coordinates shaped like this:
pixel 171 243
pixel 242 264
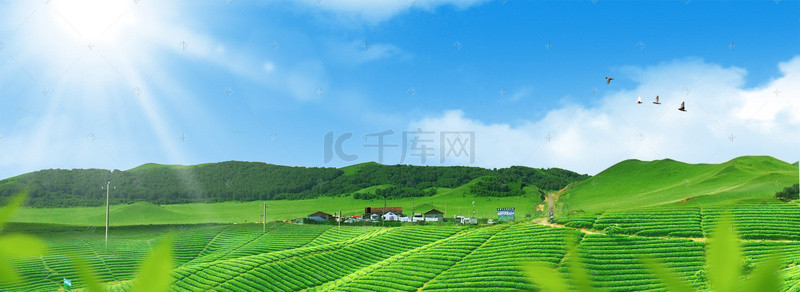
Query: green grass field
pixel 455 201
pixel 637 184
pixel 664 210
pixel 290 257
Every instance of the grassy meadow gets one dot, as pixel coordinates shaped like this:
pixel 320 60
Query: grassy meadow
pixel 451 201
pixel 665 210
pixel 638 184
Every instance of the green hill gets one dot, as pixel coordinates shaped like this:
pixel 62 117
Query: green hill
pixel 256 181
pixel 451 201
pixel 634 183
pixel 353 169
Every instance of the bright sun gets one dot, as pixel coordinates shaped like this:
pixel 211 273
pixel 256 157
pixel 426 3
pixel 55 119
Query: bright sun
pixel 93 20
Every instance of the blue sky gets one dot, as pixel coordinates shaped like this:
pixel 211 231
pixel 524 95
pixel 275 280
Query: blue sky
pixel 105 84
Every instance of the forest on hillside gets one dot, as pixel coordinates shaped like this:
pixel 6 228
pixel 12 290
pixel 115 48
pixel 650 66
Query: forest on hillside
pixel 249 181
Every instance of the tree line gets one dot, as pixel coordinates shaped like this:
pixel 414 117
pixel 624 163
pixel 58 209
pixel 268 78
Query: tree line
pixel 509 182
pixel 249 181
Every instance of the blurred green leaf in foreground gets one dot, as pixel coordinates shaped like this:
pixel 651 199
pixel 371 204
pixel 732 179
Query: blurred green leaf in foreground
pixel 15 246
pixel 724 265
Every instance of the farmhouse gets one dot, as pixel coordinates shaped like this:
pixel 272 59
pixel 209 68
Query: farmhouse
pixel 323 215
pixel 434 216
pixel 389 216
pixel 309 219
pixel 369 211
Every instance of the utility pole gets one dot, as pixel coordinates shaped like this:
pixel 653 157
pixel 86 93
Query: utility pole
pixel 108 185
pixel 264 229
pixel 412 210
pixel 385 198
pixel 473 209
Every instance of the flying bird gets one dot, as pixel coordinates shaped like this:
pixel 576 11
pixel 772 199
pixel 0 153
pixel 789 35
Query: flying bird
pixel 656 102
pixel 683 106
pixel 639 100
pixel 608 80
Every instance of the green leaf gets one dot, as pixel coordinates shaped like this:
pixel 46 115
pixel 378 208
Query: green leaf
pixel 7 273
pixel 672 281
pixel 16 246
pixel 8 210
pixel 90 280
pixel 20 246
pixel 576 269
pixel 547 278
pixel 155 271
pixel 766 277
pixel 724 257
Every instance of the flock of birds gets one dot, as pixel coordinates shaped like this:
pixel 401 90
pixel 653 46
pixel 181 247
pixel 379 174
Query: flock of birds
pixel 639 99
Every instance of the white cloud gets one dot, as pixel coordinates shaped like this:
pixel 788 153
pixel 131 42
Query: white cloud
pixel 269 67
pixel 372 11
pixel 723 121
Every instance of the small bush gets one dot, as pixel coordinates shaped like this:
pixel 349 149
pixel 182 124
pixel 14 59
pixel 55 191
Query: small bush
pixel 788 194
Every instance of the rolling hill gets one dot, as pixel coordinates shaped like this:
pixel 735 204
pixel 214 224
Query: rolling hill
pixel 634 183
pixel 256 181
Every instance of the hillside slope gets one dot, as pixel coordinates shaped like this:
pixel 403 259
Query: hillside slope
pixel 634 183
pixel 256 181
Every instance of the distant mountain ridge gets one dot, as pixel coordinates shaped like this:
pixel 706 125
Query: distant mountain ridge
pixel 635 183
pixel 249 181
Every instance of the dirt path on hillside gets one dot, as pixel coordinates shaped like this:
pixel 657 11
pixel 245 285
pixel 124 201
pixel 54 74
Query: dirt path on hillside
pixel 544 222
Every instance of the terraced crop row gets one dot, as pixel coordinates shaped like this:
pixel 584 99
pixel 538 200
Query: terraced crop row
pixel 768 221
pixel 191 242
pixel 673 222
pixel 495 265
pixel 301 271
pixel 339 234
pixel 445 258
pixel 248 239
pixel 579 221
pixel 791 279
pixel 116 263
pixel 281 237
pixel 772 221
pixel 411 271
pixel 614 263
pixel 756 251
pixel 36 277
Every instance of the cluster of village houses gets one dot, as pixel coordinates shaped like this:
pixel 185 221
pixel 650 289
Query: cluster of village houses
pixel 387 214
